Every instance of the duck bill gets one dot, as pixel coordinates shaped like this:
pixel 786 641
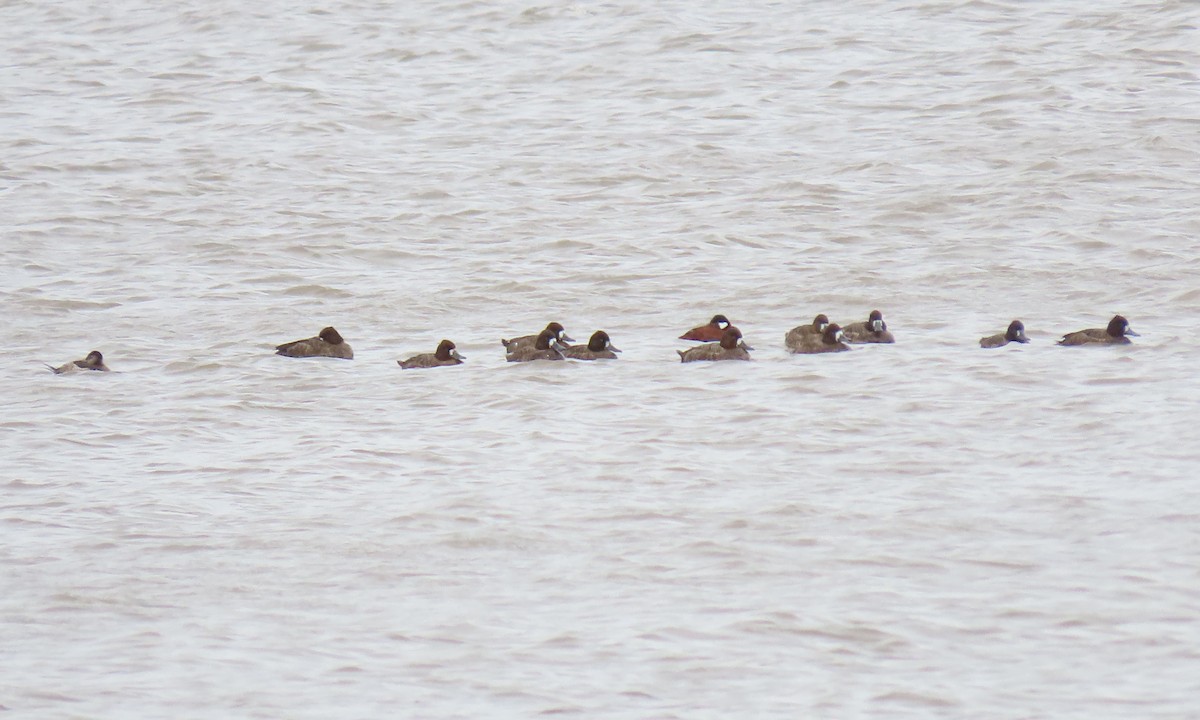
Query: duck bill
pixel 566 338
pixel 1129 331
pixel 614 348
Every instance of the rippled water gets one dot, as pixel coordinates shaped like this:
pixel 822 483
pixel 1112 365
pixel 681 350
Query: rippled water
pixel 919 530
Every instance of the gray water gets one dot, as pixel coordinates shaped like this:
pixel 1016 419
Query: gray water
pixel 920 530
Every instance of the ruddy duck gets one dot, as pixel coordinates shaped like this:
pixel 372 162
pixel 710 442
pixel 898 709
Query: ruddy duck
pixel 714 331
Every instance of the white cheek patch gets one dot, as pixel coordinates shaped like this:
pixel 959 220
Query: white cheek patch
pixel 839 337
pixel 877 325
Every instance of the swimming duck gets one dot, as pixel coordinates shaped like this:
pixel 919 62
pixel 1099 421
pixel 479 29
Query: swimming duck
pixel 599 347
pixel 446 354
pixel 798 337
pixel 874 330
pixel 831 339
pixel 93 361
pixel 714 331
pixel 730 348
pixel 545 347
pixel 1015 333
pixel 528 341
pixel 1115 334
pixel 327 344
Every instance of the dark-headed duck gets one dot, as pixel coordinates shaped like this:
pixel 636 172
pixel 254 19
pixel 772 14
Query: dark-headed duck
pixel 446 354
pixel 798 337
pixel 714 331
pixel 874 330
pixel 1115 334
pixel 528 341
pixel 93 361
pixel 545 347
pixel 831 339
pixel 1015 333
pixel 599 347
pixel 327 344
pixel 730 348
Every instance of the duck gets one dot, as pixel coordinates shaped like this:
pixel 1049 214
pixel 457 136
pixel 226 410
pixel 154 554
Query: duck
pixel 328 343
pixel 1116 333
pixel 714 331
pixel 874 330
pixel 445 355
pixel 93 361
pixel 731 347
pixel 528 341
pixel 798 337
pixel 831 339
pixel 599 347
pixel 1015 333
pixel 545 347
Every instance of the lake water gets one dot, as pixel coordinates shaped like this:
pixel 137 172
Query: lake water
pixel 919 530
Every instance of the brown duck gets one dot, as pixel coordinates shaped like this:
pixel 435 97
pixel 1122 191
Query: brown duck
pixel 445 355
pixel 599 347
pixel 93 361
pixel 326 344
pixel 731 347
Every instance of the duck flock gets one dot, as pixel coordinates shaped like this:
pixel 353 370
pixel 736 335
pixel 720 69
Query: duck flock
pixel 720 341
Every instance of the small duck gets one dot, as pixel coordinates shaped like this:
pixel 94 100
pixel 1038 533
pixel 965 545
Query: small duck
pixel 599 347
pixel 730 348
pixel 545 347
pixel 798 337
pixel 446 354
pixel 714 331
pixel 528 341
pixel 831 339
pixel 327 344
pixel 1115 334
pixel 874 330
pixel 93 361
pixel 1015 333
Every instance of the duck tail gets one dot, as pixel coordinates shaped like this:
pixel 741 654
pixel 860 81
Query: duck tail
pixel 681 352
